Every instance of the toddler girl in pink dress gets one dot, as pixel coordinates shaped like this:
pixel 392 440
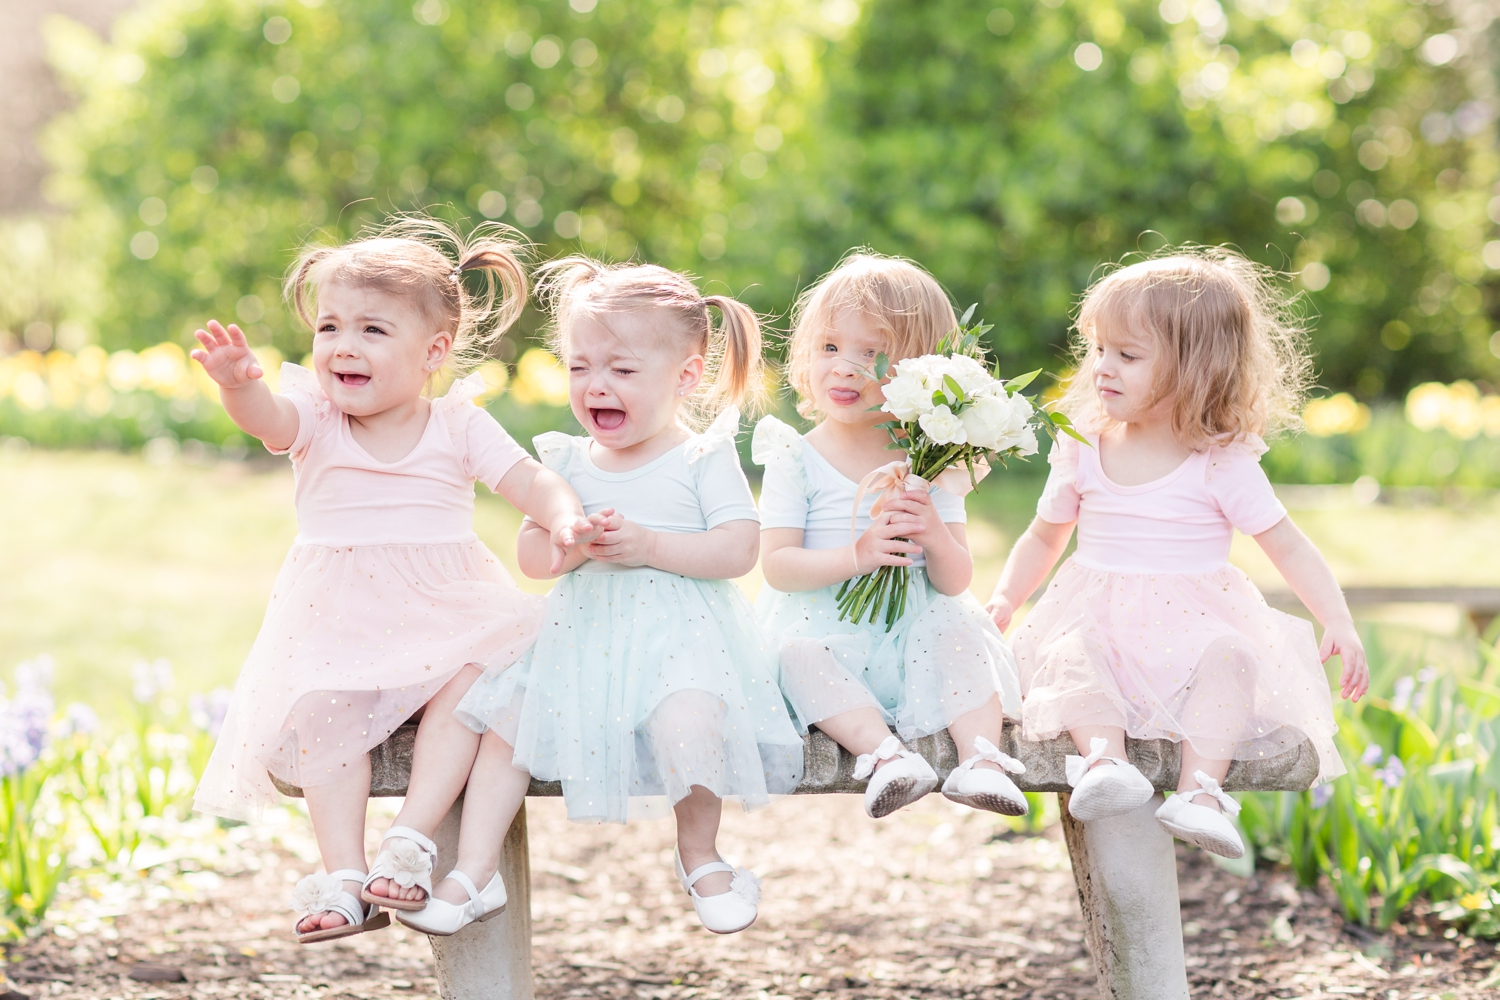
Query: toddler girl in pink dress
pixel 387 602
pixel 1184 362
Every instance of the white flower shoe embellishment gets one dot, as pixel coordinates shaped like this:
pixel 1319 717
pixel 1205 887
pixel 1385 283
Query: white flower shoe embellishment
pixel 1104 791
pixel 1200 825
pixel 899 783
pixel 728 912
pixel 406 858
pixel 325 893
pixel 983 788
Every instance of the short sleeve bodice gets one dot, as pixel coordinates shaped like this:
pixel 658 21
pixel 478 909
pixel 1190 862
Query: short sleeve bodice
pixel 345 496
pixel 1180 523
pixel 694 486
pixel 801 489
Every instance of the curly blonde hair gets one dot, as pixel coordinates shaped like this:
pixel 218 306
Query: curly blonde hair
pixel 427 259
pixel 896 295
pixel 732 365
pixel 1234 347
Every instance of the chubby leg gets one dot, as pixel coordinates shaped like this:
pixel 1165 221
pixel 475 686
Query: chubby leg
pixel 1193 761
pixel 860 731
pixel 440 766
pixel 338 818
pixel 697 833
pixel 1114 736
pixel 496 790
pixel 987 720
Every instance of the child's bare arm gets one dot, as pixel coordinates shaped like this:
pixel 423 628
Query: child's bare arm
pixel 1312 580
pixel 555 513
pixel 720 553
pixel 791 569
pixel 253 407
pixel 1029 562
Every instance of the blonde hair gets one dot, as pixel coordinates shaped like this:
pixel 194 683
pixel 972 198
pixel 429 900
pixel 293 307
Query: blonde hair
pixel 426 259
pixel 899 297
pixel 732 370
pixel 1233 348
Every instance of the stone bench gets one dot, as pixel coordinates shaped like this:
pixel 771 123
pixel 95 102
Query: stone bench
pixel 1125 867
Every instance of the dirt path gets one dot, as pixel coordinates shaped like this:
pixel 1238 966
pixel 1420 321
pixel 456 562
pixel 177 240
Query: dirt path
pixel 937 901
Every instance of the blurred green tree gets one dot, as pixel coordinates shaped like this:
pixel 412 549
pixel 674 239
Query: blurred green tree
pixel 1010 148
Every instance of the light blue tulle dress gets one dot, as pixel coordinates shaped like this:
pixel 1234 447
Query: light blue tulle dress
pixel 644 683
pixel 942 659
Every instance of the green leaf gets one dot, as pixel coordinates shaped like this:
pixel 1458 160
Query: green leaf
pixel 964 320
pixel 954 389
pixel 1059 418
pixel 1020 382
pixel 882 365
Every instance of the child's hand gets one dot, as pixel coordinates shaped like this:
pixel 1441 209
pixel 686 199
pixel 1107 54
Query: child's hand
pixel 920 514
pixel 623 542
pixel 1001 611
pixel 572 532
pixel 226 357
pixel 878 545
pixel 1341 639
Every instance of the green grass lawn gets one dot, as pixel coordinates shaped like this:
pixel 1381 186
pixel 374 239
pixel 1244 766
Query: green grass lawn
pixel 106 560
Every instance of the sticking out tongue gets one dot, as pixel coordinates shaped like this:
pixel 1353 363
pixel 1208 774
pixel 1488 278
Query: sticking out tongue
pixel 608 420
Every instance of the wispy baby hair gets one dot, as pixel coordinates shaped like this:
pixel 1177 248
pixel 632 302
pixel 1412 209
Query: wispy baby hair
pixel 429 260
pixel 1233 348
pixel 894 294
pixel 581 286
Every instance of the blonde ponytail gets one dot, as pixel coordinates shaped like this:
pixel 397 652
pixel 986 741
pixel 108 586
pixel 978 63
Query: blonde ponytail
pixel 736 343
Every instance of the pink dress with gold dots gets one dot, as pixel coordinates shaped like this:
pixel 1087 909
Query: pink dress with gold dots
pixel 1147 626
pixel 385 595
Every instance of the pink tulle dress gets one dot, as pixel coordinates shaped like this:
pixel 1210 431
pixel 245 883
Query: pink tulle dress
pixel 1147 626
pixel 385 595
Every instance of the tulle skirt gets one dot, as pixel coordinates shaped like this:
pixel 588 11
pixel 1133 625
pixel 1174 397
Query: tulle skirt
pixel 1178 656
pixel 355 640
pixel 942 659
pixel 641 685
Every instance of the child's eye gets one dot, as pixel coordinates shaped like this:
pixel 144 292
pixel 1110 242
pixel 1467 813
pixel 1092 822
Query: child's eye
pixel 374 329
pixel 328 328
pixel 624 371
pixel 1126 357
pixel 577 370
pixel 831 348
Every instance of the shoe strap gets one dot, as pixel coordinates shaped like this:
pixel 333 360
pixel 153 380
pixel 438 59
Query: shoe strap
pixel 348 875
pixel 1208 786
pixel 415 836
pixel 985 750
pixel 864 765
pixel 1078 767
pixel 467 883
pixel 713 866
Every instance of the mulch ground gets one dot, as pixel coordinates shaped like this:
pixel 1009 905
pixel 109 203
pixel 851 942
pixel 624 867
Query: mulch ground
pixel 937 901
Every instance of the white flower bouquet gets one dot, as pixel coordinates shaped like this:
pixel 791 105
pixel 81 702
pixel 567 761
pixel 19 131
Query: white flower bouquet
pixel 951 416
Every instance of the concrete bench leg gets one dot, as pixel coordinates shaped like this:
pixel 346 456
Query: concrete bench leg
pixel 490 960
pixel 1126 870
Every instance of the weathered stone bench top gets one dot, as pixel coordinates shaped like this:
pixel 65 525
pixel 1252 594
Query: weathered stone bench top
pixel 828 768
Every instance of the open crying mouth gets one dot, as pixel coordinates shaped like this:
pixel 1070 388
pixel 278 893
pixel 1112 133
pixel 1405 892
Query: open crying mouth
pixel 351 378
pixel 608 420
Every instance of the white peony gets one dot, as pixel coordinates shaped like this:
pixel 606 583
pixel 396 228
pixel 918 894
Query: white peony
pixel 970 375
pixel 906 397
pixel 943 426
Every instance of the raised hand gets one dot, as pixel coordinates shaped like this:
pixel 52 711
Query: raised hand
pixel 226 357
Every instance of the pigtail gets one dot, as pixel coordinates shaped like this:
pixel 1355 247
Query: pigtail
pixel 736 343
pixel 482 321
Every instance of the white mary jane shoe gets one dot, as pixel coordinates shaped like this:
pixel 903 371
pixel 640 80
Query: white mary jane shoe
pixel 1104 791
pixel 1199 825
pixel 899 783
pixel 982 788
pixel 326 894
pixel 727 912
pixel 441 918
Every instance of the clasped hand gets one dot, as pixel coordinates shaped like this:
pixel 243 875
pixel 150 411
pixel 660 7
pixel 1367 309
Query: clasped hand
pixel 620 541
pixel 892 537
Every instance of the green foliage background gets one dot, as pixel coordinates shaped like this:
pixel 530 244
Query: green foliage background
pixel 754 143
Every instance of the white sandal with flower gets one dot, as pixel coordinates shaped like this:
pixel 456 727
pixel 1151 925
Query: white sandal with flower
pixel 1199 825
pixel 727 912
pixel 1104 791
pixel 326 894
pixel 408 862
pixel 899 783
pixel 983 788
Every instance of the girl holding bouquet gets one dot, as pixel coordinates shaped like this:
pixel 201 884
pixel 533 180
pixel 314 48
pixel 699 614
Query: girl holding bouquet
pixel 940 663
pixel 1184 362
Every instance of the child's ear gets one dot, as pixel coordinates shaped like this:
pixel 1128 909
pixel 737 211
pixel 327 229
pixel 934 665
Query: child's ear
pixel 690 375
pixel 438 350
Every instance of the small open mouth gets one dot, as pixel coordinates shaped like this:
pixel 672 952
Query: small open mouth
pixel 607 420
pixel 351 378
pixel 844 397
